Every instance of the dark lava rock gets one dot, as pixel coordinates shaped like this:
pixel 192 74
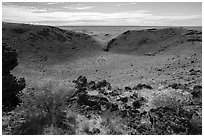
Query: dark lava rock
pixel 96 102
pixel 92 100
pixel 128 88
pixel 92 85
pixel 102 84
pixel 123 99
pixel 138 102
pixel 141 86
pixel 134 96
pixel 124 113
pixel 127 106
pixel 114 107
pixel 191 32
pixel 81 82
pixel 103 91
pixel 134 113
pixel 143 129
pixel 167 121
pixel 159 69
pixel 197 91
pixel 194 72
pixel 114 93
pixel 96 131
pixel 196 125
pixel 178 86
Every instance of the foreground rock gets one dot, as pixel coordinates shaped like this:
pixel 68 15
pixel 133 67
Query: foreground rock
pixel 165 118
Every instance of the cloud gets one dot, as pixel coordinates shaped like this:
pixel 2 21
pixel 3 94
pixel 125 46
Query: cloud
pixel 50 3
pixel 125 3
pixel 78 7
pixel 141 17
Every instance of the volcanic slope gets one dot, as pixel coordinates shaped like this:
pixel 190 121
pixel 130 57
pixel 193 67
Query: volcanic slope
pixel 152 40
pixel 40 48
pixel 159 55
pixel 151 56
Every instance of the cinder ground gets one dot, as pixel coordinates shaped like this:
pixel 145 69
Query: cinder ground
pixel 144 63
pixel 127 63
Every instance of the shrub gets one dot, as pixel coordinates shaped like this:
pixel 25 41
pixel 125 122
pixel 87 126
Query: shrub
pixel 10 85
pixel 42 110
pixel 171 98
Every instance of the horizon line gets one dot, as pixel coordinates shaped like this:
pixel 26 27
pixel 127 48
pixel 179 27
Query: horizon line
pixel 105 25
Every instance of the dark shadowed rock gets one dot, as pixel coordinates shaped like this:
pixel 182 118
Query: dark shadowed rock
pixel 138 102
pixel 178 86
pixel 96 131
pixel 194 72
pixel 123 99
pixel 92 85
pixel 141 86
pixel 196 125
pixel 115 93
pixel 81 82
pixel 114 107
pixel 102 84
pixel 197 91
pixel 128 88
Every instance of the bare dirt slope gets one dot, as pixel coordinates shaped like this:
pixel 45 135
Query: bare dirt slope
pixel 154 56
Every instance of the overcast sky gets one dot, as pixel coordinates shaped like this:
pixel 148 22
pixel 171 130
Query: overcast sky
pixel 134 14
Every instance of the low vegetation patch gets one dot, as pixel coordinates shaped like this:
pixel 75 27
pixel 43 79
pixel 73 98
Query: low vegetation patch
pixel 44 110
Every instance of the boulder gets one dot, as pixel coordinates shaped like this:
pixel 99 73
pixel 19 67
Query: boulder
pixel 178 86
pixel 92 85
pixel 123 99
pixel 115 93
pixel 81 82
pixel 196 124
pixel 102 84
pixel 141 86
pixel 138 102
pixel 128 88
pixel 197 91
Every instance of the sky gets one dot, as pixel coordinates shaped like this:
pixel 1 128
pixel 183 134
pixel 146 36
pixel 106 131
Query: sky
pixel 104 13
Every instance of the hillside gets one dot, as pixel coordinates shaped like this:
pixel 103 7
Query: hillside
pixel 153 41
pixel 47 44
pixel 47 53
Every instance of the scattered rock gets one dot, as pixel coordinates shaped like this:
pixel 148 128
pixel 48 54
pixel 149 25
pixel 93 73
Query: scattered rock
pixel 167 121
pixel 138 103
pixel 81 82
pixel 141 86
pixel 197 91
pixel 194 72
pixel 102 84
pixel 128 88
pixel 114 93
pixel 178 86
pixel 123 99
pixel 92 85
